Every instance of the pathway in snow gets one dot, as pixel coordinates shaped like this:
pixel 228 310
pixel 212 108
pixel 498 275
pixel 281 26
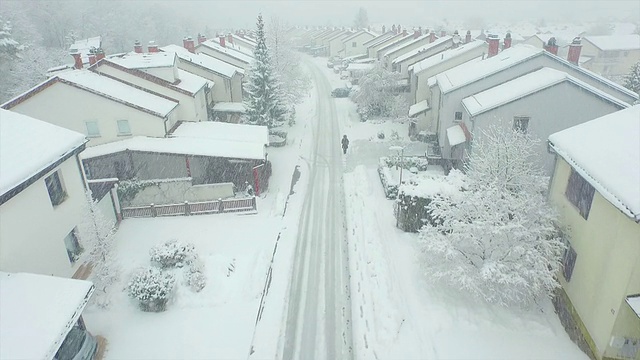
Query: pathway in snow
pixel 319 310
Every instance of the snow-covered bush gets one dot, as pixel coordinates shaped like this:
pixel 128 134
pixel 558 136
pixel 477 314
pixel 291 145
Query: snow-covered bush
pixel 172 253
pixel 194 276
pixel 152 288
pixel 499 243
pixel 632 80
pixel 379 95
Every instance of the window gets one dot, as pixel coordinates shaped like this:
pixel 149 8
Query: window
pixel 57 193
pixel 568 262
pixel 521 123
pixel 458 115
pixel 92 129
pixel 354 44
pixel 580 193
pixel 72 244
pixel 123 127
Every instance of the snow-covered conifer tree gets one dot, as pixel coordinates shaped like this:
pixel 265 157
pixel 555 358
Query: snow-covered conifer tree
pixel 265 104
pixel 632 80
pixel 497 241
pixel 98 232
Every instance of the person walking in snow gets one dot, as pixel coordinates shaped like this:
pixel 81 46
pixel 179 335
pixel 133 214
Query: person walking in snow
pixel 345 144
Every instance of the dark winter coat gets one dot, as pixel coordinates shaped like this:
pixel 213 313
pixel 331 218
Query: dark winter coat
pixel 345 142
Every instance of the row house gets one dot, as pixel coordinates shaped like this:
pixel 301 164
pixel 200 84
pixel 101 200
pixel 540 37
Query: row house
pixel 373 45
pixel 42 196
pixel 219 50
pixel 335 45
pixel 101 108
pixel 449 88
pixel 401 63
pixel 524 104
pixel 379 53
pixel 226 77
pixel 595 189
pixel 419 40
pixel 354 44
pixel 242 41
pixel 611 55
pixel 159 73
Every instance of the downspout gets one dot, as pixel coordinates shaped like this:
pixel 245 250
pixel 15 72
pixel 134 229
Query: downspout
pixel 166 118
pixel 555 163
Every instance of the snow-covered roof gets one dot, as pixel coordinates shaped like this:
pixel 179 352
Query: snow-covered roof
pixel 208 62
pixel 526 85
pixel 356 66
pixel 340 35
pixel 358 33
pixel 355 57
pixel 612 166
pixel 216 130
pixel 456 135
pixel 117 90
pixel 191 82
pixel 403 45
pixel 445 55
pixel 634 303
pixel 236 107
pixel 213 45
pixel 84 47
pixel 181 145
pixel 145 60
pixel 421 49
pixel 615 42
pixel 418 108
pixel 38 311
pixel 398 41
pixel 470 72
pixel 379 38
pixel 28 146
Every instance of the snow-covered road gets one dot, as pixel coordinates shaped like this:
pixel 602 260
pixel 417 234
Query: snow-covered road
pixel 319 310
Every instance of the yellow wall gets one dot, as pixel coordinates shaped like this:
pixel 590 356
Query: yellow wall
pixel 604 65
pixel 606 268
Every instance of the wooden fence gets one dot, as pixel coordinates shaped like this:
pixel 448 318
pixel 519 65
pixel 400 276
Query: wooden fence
pixel 194 208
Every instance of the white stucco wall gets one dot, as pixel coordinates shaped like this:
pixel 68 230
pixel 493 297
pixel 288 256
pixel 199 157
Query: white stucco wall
pixel 32 231
pixel 607 245
pixel 336 46
pixel 605 64
pixel 189 108
pixel 222 56
pixel 222 88
pixel 372 51
pixel 169 74
pixel 70 107
pixel 389 57
pixel 350 50
pixel 403 66
pixel 549 112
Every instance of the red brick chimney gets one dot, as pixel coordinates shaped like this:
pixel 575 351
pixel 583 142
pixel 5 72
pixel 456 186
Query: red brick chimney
pixel 574 50
pixel 507 41
pixel 393 28
pixel 494 45
pixel 77 60
pixel 201 38
pixel 222 41
pixel 152 47
pixel 137 47
pixel 92 59
pixel 432 36
pixel 443 33
pixel 384 29
pixel 99 54
pixel 230 38
pixel 467 38
pixel 189 44
pixel 416 34
pixel 551 46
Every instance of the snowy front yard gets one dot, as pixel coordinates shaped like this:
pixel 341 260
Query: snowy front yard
pixel 216 322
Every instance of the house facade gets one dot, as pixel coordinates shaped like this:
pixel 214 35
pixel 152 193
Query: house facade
pixel 612 55
pixel 401 63
pixel 41 183
pixel 595 190
pixel 227 78
pixel 417 42
pixel 103 109
pixel 335 44
pixel 354 44
pixel 372 49
pixel 217 48
pixel 159 73
pixel 537 104
pixel 395 44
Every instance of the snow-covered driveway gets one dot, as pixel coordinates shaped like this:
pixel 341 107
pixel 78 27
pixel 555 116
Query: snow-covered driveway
pixel 319 310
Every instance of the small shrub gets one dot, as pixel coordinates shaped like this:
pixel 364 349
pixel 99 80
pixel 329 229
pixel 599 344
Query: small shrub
pixel 381 135
pixel 172 254
pixel 152 288
pixel 194 276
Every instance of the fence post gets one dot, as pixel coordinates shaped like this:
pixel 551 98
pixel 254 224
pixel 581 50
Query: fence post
pixel 253 203
pixel 220 205
pixel 187 208
pixel 154 211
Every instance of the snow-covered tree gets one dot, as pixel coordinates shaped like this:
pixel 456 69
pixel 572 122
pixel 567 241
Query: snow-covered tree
pixel 362 19
pixel 265 104
pixel 98 232
pixel 632 80
pixel 378 94
pixel 497 241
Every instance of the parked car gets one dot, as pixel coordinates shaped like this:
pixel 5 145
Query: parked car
pixel 341 92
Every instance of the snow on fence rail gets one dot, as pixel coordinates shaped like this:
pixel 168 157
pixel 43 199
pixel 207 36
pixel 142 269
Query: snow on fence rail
pixel 193 208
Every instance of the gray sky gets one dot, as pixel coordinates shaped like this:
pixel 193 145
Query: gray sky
pixel 241 13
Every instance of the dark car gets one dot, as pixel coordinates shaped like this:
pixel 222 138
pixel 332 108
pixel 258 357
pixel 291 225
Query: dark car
pixel 341 92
